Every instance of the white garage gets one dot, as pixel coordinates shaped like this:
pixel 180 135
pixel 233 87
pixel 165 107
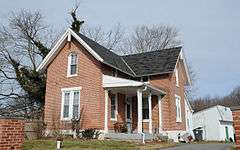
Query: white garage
pixel 214 123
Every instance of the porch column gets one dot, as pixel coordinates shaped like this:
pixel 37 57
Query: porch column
pixel 159 114
pixel 150 111
pixel 106 112
pixel 139 99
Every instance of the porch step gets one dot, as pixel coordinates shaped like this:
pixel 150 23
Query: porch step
pixel 129 136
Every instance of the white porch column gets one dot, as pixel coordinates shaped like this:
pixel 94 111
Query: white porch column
pixel 106 112
pixel 150 111
pixel 139 101
pixel 159 114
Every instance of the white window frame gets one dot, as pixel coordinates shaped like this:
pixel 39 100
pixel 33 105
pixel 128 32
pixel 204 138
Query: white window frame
pixel 177 77
pixel 116 106
pixel 178 104
pixel 69 65
pixel 71 91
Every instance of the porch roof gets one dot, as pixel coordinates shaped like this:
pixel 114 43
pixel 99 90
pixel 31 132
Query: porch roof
pixel 116 82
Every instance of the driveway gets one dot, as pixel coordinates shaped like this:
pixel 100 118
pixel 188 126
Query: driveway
pixel 208 146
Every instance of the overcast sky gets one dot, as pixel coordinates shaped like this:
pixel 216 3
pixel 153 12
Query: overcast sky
pixel 210 30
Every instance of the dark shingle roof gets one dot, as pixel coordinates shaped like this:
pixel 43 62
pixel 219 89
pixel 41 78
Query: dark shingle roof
pixel 148 63
pixel 108 56
pixel 154 62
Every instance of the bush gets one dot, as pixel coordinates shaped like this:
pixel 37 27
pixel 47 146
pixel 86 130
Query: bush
pixel 124 128
pixel 90 134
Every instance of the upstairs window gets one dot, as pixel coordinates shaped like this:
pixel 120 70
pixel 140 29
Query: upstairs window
pixel 145 79
pixel 145 109
pixel 114 72
pixel 72 64
pixel 178 108
pixel 177 77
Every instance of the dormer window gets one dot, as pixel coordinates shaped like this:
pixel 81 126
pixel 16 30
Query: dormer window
pixel 72 64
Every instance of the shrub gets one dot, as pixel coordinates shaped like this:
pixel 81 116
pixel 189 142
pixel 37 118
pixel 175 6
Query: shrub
pixel 124 128
pixel 90 134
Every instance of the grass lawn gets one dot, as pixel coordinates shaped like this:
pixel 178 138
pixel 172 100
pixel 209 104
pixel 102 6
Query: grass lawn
pixel 91 144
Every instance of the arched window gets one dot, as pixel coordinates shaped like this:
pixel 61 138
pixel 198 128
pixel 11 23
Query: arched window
pixel 72 64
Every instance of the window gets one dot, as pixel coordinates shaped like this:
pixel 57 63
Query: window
pixel 75 104
pixel 66 105
pixel 177 77
pixel 114 107
pixel 70 103
pixel 114 73
pixel 178 109
pixel 72 64
pixel 145 78
pixel 145 108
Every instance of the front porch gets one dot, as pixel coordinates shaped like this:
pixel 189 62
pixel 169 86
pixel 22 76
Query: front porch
pixel 134 104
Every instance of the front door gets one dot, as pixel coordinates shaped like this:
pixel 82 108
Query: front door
pixel 128 114
pixel 227 134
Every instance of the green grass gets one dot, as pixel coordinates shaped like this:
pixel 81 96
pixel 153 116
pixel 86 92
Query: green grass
pixel 78 144
pixel 91 144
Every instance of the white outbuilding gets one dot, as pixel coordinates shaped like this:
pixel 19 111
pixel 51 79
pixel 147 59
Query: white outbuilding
pixel 214 124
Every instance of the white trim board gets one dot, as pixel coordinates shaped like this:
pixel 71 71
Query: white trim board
pixel 57 47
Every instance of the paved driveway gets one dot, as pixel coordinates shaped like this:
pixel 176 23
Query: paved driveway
pixel 209 146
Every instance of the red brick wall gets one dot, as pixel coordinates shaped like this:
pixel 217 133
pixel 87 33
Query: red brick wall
pixel 236 125
pixel 155 114
pixel 168 83
pixel 92 94
pixel 11 134
pixel 121 110
pixel 89 78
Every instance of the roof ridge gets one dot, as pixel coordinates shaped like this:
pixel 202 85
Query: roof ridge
pixel 165 49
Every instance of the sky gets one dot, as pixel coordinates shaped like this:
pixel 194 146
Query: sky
pixel 209 29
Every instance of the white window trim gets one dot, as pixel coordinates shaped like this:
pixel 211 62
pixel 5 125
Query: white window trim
pixel 69 66
pixel 116 111
pixel 71 90
pixel 177 77
pixel 178 102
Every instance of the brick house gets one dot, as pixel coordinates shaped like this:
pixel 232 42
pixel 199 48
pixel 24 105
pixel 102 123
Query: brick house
pixel 86 80
pixel 236 124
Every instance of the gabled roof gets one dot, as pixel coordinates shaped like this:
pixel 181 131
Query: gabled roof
pixel 108 56
pixel 136 65
pixel 154 62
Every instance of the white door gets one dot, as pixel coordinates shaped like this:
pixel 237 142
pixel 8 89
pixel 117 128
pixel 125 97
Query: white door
pixel 128 114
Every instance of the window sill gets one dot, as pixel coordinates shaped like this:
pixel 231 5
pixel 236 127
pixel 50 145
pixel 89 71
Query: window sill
pixel 113 119
pixel 73 75
pixel 66 119
pixel 179 121
pixel 145 120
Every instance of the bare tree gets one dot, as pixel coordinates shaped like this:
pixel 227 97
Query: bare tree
pixel 232 99
pixel 156 37
pixel 76 22
pixel 111 39
pixel 25 41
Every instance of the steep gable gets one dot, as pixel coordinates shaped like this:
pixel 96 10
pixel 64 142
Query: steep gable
pixel 136 65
